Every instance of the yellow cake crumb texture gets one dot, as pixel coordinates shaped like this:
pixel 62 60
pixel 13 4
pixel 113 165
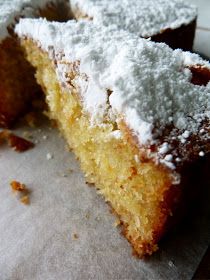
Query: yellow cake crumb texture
pixel 135 191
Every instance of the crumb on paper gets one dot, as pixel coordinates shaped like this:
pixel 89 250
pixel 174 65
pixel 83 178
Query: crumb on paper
pixel 49 156
pixel 25 199
pixel 75 236
pixel 17 186
pixel 21 190
pixel 17 143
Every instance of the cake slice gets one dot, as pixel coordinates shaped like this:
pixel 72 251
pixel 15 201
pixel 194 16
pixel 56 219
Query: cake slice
pixel 172 22
pixel 135 113
pixel 18 85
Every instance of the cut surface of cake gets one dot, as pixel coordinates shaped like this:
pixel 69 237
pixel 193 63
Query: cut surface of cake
pixel 172 22
pixel 17 81
pixel 135 113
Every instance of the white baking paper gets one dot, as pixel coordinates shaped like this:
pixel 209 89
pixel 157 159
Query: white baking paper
pixel 38 241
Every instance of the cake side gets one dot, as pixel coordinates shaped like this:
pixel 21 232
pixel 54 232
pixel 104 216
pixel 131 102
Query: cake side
pixel 18 86
pixel 172 22
pixel 179 38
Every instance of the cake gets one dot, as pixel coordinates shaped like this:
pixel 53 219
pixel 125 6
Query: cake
pixel 172 22
pixel 17 81
pixel 135 113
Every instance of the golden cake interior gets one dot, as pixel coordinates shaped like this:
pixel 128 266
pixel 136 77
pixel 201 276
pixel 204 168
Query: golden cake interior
pixel 136 191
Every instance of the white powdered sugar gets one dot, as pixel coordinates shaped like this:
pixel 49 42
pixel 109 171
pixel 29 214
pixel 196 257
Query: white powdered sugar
pixel 10 10
pixel 143 83
pixel 142 17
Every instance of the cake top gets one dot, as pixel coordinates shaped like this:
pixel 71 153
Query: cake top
pixel 142 17
pixel 146 84
pixel 11 9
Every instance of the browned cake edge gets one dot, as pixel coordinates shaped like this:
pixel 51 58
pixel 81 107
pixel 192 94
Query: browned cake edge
pixel 182 37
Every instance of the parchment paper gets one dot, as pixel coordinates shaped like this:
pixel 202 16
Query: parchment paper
pixel 38 241
pixel 68 232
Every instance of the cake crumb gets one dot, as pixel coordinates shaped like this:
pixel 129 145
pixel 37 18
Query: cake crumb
pixel 21 190
pixel 75 236
pixel 17 186
pixel 45 137
pixel 49 156
pixel 25 199
pixel 17 143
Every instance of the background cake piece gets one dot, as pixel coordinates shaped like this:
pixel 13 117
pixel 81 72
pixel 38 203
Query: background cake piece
pixel 172 22
pixel 18 86
pixel 135 113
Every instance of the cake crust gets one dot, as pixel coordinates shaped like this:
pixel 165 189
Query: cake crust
pixel 181 37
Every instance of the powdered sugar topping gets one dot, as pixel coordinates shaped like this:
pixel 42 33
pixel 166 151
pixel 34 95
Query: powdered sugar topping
pixel 142 17
pixel 149 84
